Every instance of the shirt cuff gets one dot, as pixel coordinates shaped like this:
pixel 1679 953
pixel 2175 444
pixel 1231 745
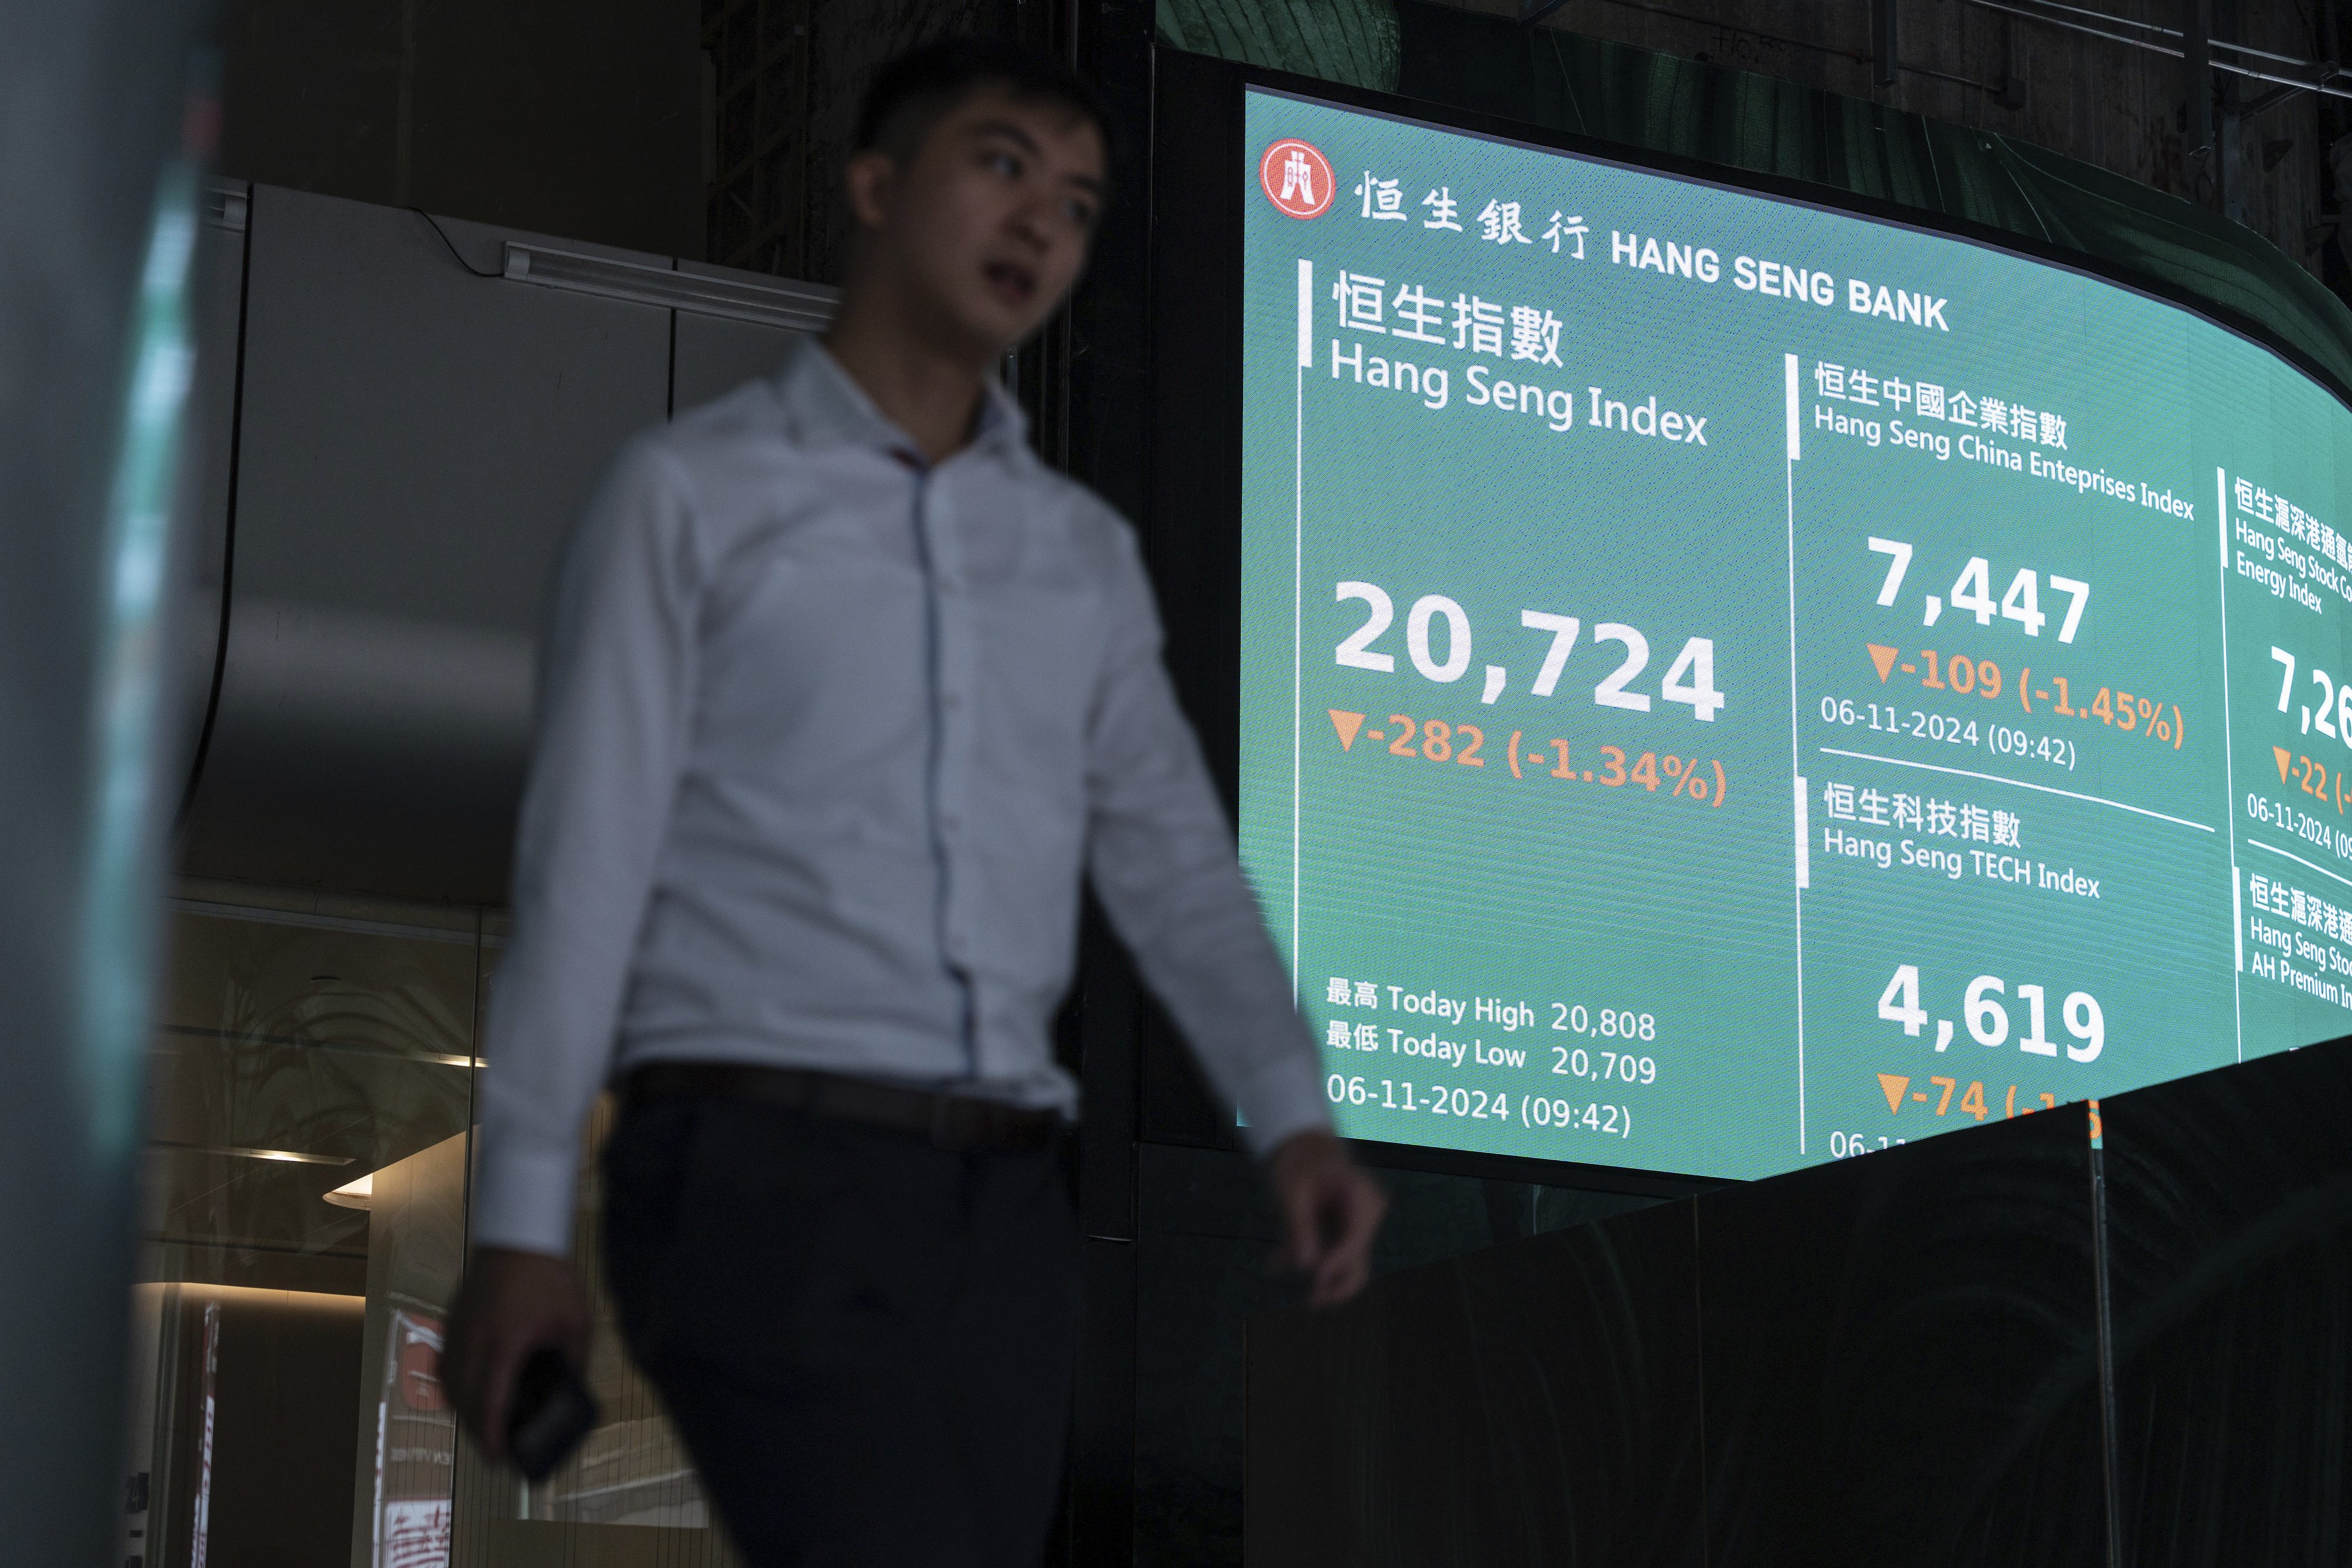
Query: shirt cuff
pixel 524 1200
pixel 1282 1098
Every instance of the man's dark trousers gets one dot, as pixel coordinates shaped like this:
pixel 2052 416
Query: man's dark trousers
pixel 865 1339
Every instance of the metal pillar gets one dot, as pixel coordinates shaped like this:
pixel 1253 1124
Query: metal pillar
pixel 91 359
pixel 2197 79
pixel 2230 167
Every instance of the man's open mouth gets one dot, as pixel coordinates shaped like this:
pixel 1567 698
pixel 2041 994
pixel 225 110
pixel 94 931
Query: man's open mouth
pixel 1010 282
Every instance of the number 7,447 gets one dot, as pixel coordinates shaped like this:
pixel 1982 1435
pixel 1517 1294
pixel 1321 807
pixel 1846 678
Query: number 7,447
pixel 1437 640
pixel 1972 591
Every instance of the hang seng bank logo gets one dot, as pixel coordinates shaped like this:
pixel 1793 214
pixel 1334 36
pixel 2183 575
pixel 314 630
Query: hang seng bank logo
pixel 1296 178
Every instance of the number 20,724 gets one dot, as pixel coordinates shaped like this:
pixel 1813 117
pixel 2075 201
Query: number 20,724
pixel 1690 680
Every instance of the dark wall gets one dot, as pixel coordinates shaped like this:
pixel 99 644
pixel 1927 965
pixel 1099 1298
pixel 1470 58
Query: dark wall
pixel 286 1381
pixel 2114 1335
pixel 581 119
pixel 852 41
pixel 594 121
pixel 288 1399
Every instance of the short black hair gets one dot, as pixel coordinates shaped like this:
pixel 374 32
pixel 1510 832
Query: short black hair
pixel 912 93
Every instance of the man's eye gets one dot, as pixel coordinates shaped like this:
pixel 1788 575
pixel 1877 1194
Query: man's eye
pixel 1080 214
pixel 1005 163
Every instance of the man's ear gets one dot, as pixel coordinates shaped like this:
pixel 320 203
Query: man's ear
pixel 870 177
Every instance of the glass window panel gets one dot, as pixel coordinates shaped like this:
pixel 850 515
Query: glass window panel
pixel 311 1107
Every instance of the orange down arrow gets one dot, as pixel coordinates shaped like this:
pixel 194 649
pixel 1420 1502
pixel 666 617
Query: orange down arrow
pixel 1347 723
pixel 1895 1084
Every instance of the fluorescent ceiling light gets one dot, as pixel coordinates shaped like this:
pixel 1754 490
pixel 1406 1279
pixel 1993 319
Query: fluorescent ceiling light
pixel 799 307
pixel 288 1156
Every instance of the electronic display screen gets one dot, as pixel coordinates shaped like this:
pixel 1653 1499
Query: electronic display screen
pixel 1729 684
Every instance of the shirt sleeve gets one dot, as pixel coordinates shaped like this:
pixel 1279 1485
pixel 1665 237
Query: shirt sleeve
pixel 616 679
pixel 1162 859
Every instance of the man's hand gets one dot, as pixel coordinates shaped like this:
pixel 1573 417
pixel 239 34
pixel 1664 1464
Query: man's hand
pixel 1331 1212
pixel 514 1304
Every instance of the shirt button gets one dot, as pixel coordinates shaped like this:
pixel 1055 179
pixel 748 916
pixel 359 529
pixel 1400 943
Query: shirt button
pixel 950 822
pixel 952 701
pixel 950 583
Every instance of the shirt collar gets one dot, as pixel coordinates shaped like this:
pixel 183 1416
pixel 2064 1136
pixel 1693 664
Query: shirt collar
pixel 821 399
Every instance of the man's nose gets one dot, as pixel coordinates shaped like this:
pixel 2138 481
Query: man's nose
pixel 1032 223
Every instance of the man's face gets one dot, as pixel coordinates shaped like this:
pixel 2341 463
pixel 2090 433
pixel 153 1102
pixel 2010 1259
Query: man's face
pixel 986 225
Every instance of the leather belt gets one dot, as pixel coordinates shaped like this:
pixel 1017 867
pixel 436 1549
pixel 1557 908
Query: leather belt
pixel 957 1122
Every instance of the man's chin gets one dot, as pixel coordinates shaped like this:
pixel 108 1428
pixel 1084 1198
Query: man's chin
pixel 1001 327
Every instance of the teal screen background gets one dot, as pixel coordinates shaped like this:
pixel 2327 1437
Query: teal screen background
pixel 1764 878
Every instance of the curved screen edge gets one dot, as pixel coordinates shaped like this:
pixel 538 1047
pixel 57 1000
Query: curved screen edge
pixel 1729 683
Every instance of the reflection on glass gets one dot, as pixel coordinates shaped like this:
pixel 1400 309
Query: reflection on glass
pixel 416 1251
pixel 631 1471
pixel 309 1142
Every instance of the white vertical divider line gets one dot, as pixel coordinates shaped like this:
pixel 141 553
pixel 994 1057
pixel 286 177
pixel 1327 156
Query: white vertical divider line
pixel 1298 588
pixel 1805 865
pixel 1796 425
pixel 1306 314
pixel 2237 935
pixel 2229 771
pixel 1804 838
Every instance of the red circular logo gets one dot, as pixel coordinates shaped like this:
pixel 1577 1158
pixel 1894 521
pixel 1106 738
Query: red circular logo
pixel 1296 178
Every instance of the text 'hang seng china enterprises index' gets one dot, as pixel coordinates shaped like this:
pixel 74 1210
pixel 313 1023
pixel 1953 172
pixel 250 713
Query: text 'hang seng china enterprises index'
pixel 1729 684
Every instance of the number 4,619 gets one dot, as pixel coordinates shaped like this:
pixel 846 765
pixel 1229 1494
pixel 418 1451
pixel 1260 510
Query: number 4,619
pixel 1988 1020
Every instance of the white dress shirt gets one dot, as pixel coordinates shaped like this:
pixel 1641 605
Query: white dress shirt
pixel 826 737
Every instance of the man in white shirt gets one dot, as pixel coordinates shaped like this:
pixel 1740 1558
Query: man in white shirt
pixel 843 692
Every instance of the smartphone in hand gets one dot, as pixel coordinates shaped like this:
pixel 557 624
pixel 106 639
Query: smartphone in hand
pixel 551 1411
